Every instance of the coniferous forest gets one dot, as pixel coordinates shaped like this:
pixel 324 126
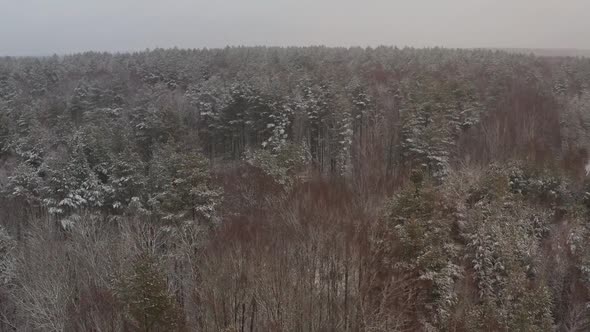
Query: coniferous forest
pixel 295 189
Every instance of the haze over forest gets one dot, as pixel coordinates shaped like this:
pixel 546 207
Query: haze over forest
pixel 38 27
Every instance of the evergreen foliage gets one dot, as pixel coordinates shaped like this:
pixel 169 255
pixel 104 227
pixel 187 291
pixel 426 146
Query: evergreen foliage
pixel 295 189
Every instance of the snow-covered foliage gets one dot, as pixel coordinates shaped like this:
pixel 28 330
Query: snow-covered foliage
pixel 432 120
pixel 284 164
pixel 484 154
pixel 484 231
pixel 180 187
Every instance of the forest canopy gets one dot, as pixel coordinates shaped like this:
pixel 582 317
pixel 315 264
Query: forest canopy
pixel 295 189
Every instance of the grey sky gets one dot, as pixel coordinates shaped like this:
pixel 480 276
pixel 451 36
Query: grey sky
pixel 40 27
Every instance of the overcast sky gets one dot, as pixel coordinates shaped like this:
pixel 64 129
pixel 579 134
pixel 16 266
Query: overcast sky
pixel 45 27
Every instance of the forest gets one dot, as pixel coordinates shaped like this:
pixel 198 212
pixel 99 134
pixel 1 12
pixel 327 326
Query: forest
pixel 295 189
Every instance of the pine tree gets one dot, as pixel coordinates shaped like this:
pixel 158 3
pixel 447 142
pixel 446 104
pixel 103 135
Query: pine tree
pixel 180 186
pixel 144 293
